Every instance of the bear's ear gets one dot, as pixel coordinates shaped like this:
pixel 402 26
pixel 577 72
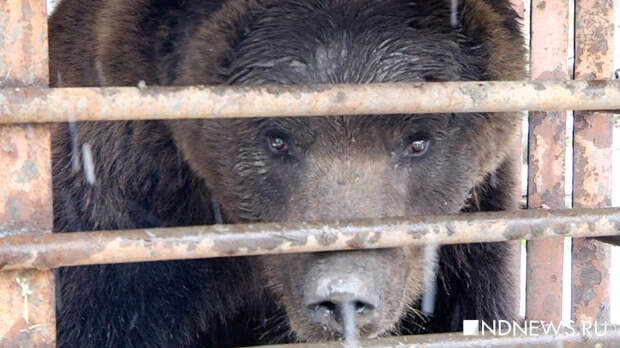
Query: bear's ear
pixel 211 48
pixel 613 240
pixel 504 41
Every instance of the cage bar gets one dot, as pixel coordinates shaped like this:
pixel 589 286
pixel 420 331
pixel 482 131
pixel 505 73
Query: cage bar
pixel 547 146
pixel 37 105
pixel 27 311
pixel 515 249
pixel 593 136
pixel 563 339
pixel 153 244
pixel 27 250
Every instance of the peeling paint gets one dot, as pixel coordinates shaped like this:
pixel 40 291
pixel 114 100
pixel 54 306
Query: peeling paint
pixel 546 160
pixel 25 291
pixel 38 105
pixel 27 309
pixel 592 157
pixel 28 172
pixel 85 248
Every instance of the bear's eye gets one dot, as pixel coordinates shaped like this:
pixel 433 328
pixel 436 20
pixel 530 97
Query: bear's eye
pixel 278 143
pixel 417 146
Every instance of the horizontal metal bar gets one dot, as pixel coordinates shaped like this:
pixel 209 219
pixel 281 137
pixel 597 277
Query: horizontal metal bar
pixel 609 338
pixel 20 105
pixel 86 248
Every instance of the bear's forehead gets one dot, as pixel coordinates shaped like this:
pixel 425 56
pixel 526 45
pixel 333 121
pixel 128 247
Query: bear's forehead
pixel 319 44
pixel 346 61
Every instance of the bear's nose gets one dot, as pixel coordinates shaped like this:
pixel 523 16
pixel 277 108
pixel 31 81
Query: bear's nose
pixel 342 302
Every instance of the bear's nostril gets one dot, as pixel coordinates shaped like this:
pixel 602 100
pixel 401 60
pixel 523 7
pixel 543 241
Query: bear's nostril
pixel 325 305
pixel 342 300
pixel 362 307
pixel 333 308
pixel 340 314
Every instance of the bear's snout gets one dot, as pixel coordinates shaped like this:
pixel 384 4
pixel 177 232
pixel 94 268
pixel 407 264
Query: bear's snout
pixel 334 297
pixel 343 292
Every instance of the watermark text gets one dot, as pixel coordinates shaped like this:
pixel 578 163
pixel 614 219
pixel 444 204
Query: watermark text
pixel 534 328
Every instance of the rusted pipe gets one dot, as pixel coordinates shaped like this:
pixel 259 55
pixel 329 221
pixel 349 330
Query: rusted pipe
pixel 86 248
pixel 20 105
pixel 566 339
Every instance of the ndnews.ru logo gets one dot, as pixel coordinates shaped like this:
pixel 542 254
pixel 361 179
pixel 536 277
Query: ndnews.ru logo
pixel 533 328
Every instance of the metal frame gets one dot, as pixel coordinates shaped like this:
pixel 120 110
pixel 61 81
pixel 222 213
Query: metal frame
pixel 593 138
pixel 450 340
pixel 546 158
pixel 28 250
pixel 155 244
pixel 27 301
pixel 41 105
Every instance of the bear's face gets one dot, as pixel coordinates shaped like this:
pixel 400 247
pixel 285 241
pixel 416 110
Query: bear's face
pixel 340 168
pixel 335 169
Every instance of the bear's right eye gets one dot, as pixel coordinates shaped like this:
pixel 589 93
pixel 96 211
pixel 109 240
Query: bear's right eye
pixel 278 143
pixel 416 145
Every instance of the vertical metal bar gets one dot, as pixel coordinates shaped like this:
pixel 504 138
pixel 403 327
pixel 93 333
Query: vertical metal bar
pixel 518 6
pixel 547 146
pixel 594 30
pixel 27 310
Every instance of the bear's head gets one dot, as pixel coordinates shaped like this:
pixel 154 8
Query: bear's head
pixel 347 167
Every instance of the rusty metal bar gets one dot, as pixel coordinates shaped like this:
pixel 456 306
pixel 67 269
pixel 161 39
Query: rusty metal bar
pixel 546 158
pixel 516 251
pixel 27 311
pixel 594 32
pixel 86 248
pixel 123 103
pixel 453 340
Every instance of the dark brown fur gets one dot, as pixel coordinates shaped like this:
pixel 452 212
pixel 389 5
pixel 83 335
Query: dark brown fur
pixel 170 173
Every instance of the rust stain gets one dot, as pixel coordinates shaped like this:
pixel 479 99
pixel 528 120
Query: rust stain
pixel 28 301
pixel 546 158
pixel 39 105
pixel 85 248
pixel 590 287
pixel 23 45
pixel 594 27
pixel 561 339
pixel 25 178
pixel 592 156
pixel 27 310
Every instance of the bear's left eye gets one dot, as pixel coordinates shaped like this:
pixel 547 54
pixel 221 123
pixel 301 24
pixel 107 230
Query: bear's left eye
pixel 278 143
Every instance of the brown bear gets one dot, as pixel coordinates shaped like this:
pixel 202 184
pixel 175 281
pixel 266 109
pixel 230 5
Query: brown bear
pixel 121 175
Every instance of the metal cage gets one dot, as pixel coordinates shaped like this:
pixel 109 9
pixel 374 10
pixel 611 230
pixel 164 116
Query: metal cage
pixel 28 250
